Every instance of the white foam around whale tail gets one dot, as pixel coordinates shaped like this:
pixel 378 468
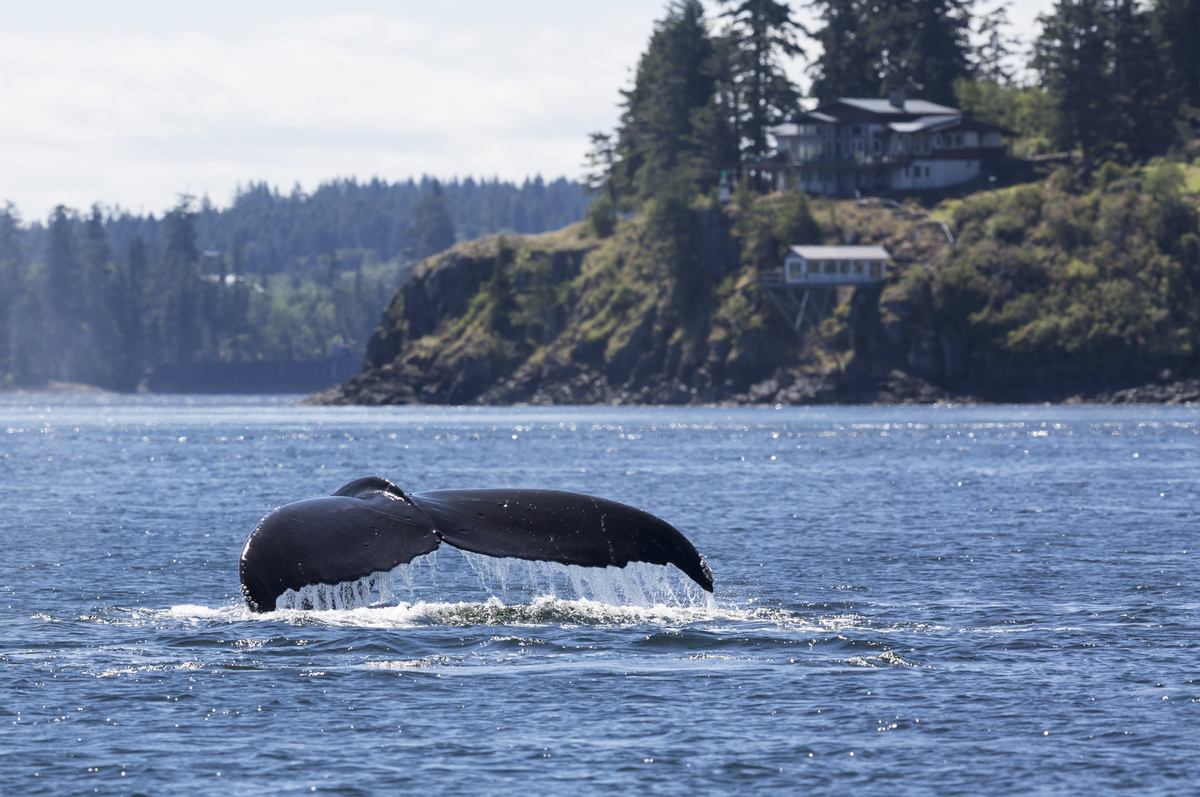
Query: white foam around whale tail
pixel 513 580
pixel 637 584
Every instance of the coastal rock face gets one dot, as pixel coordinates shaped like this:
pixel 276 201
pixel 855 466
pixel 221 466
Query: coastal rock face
pixel 1052 314
pixel 1185 392
pixel 566 318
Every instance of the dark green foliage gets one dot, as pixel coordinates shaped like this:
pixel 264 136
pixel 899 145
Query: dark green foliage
pixel 12 269
pixel 768 227
pixel 1176 27
pixel 1098 287
pixel 872 47
pixel 183 288
pixel 64 293
pixel 600 181
pixel 291 233
pixel 675 80
pixel 602 215
pixel 1103 70
pixel 1025 110
pixel 432 230
pixel 670 233
pixel 760 33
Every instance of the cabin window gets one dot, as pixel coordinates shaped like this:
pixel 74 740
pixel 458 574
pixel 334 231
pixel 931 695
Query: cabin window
pixel 926 171
pixel 814 267
pixel 830 266
pixel 858 267
pixel 937 140
pixel 844 266
pixel 958 141
pixel 876 269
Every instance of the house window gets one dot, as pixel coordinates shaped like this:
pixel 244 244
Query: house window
pixel 937 141
pixel 876 269
pixel 958 141
pixel 830 266
pixel 906 171
pixel 856 130
pixel 926 171
pixel 844 266
pixel 814 267
pixel 858 264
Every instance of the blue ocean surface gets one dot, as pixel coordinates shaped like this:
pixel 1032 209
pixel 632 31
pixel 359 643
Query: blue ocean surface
pixel 909 600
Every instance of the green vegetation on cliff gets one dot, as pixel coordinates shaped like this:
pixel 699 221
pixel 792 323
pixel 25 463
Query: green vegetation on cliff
pixel 570 317
pixel 1050 290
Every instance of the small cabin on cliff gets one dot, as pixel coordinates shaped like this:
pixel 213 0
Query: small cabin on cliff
pixel 835 265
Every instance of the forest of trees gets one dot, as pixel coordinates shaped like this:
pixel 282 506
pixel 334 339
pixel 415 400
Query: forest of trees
pixel 98 298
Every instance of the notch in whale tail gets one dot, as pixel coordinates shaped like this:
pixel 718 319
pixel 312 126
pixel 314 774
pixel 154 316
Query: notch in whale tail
pixel 370 525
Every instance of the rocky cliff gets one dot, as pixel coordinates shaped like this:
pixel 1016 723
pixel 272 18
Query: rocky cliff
pixel 1046 294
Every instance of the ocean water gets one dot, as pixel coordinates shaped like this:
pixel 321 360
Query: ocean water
pixel 936 600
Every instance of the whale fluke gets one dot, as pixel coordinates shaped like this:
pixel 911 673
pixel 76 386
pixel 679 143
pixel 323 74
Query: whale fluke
pixel 370 525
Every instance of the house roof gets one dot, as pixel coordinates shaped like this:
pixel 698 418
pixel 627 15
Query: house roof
pixel 911 107
pixel 924 123
pixel 842 252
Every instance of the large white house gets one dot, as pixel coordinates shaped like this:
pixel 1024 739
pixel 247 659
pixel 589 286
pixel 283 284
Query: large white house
pixel 877 145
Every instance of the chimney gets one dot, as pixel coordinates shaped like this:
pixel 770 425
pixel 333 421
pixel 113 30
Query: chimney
pixel 896 98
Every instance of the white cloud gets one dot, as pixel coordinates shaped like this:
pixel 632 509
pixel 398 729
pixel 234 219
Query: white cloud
pixel 138 117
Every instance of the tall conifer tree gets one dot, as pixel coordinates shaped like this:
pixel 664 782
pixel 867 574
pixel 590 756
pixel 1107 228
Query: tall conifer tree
pixel 11 289
pixel 871 47
pixel 675 80
pixel 432 229
pixel 762 32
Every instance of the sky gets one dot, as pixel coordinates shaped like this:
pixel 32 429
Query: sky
pixel 133 103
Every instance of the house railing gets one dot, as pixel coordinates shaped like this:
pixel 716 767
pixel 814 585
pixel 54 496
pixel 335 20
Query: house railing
pixel 771 276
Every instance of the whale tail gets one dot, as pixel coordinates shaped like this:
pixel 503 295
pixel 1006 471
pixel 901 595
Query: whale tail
pixel 370 525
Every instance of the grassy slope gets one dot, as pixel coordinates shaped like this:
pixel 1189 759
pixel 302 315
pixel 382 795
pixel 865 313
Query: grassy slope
pixel 1096 287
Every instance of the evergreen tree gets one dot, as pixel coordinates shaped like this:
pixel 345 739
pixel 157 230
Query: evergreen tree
pixel 761 32
pixel 179 335
pixel 432 229
pixel 129 309
pixel 12 268
pixel 921 46
pixel 601 161
pixel 1177 30
pixel 674 82
pixel 996 49
pixel 1101 68
pixel 102 312
pixel 848 64
pixel 1141 112
pixel 65 299
pixel 1072 56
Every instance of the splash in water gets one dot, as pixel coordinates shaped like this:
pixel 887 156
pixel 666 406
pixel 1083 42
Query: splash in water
pixel 511 580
